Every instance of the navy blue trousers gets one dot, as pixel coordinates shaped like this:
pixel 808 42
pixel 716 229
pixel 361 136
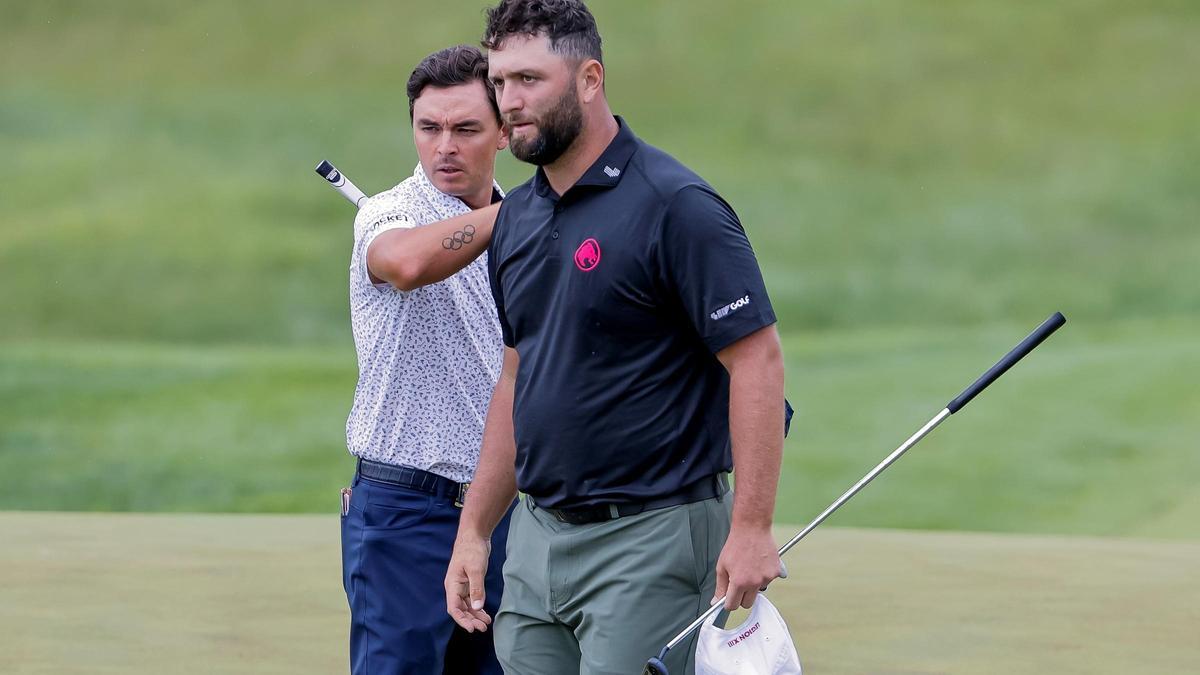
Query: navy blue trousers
pixel 396 545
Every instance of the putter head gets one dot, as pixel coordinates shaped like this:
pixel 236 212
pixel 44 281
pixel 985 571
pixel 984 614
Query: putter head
pixel 655 666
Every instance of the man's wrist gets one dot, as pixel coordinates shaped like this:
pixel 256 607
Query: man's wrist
pixel 471 533
pixel 750 523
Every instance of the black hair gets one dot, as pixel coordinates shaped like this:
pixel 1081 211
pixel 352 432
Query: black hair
pixel 568 23
pixel 450 67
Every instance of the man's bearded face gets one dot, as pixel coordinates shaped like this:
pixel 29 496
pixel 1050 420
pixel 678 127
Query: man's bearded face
pixel 556 129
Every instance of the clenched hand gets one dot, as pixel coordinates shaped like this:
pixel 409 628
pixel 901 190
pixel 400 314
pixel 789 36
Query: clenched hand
pixel 749 561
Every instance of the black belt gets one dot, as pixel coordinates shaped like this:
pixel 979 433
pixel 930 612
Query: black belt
pixel 707 488
pixel 408 477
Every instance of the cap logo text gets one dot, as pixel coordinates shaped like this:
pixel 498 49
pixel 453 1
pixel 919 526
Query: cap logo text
pixel 749 631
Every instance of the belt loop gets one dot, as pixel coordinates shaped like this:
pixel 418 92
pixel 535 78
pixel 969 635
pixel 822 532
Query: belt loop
pixel 721 485
pixel 612 511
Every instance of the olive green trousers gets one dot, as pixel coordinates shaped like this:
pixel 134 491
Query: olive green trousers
pixel 602 598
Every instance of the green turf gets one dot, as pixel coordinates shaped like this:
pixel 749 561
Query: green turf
pixel 1096 432
pixel 235 594
pixel 144 428
pixel 923 181
pixel 895 162
pixel 1093 434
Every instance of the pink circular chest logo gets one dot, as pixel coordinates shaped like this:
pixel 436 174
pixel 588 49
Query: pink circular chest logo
pixel 587 256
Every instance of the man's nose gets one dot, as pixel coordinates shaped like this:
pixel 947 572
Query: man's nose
pixel 509 101
pixel 446 144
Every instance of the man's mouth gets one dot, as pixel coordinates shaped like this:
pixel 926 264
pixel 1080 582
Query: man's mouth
pixel 449 170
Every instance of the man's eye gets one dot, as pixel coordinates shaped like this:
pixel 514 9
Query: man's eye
pixel 468 131
pixel 429 129
pixel 527 79
pixel 498 84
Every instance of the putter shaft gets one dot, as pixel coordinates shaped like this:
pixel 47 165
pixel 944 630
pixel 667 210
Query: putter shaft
pixel 912 440
pixel 1010 359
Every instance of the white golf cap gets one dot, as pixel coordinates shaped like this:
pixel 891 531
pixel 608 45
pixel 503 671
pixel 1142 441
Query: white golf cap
pixel 760 646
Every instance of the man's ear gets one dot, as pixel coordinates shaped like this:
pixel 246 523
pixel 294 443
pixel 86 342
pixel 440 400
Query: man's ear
pixel 503 142
pixel 591 80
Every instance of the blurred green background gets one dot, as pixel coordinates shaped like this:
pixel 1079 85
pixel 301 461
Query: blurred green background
pixel 924 183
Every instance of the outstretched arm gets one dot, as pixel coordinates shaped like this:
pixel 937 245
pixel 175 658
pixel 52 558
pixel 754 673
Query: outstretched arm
pixel 409 258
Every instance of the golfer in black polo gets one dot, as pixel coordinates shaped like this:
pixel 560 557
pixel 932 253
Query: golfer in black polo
pixel 641 365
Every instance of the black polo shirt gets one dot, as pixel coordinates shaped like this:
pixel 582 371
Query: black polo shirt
pixel 616 296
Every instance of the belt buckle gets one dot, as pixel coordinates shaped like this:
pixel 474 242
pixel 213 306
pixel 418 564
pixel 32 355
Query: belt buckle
pixel 587 516
pixel 461 498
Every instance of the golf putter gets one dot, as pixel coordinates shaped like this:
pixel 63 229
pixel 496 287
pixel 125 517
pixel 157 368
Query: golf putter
pixel 655 666
pixel 343 185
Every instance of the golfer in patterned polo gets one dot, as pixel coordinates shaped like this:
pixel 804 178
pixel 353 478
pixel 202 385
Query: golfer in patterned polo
pixel 429 353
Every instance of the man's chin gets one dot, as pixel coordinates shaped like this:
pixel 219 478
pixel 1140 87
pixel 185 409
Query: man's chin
pixel 528 152
pixel 454 186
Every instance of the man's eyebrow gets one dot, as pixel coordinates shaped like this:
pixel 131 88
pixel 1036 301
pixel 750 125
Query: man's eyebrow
pixel 468 123
pixel 425 121
pixel 517 73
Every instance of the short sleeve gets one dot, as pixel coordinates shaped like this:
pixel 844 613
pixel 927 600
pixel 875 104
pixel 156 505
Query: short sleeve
pixel 709 266
pixel 494 259
pixel 373 219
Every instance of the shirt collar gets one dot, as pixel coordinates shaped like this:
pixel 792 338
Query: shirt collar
pixel 608 168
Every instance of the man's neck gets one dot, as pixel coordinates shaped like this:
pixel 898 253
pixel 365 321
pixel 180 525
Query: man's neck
pixel 479 199
pixel 583 153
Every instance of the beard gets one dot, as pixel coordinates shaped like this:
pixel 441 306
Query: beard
pixel 557 129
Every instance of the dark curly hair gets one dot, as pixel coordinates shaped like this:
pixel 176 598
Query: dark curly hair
pixel 568 23
pixel 451 67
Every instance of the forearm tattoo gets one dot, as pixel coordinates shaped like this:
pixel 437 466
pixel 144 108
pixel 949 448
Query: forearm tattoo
pixel 456 240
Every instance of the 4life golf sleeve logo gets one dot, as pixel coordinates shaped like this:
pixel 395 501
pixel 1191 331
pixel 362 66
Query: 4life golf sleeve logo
pixel 730 308
pixel 587 256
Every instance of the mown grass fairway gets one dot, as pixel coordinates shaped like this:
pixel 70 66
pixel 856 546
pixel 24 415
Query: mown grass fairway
pixel 198 594
pixel 1090 436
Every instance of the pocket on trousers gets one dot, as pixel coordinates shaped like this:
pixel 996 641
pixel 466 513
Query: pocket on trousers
pixel 387 508
pixel 708 528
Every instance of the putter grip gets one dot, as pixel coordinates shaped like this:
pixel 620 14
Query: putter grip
pixel 1010 359
pixel 325 168
pixel 340 183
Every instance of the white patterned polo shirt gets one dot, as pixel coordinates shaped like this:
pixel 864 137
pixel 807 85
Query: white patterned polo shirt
pixel 429 358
